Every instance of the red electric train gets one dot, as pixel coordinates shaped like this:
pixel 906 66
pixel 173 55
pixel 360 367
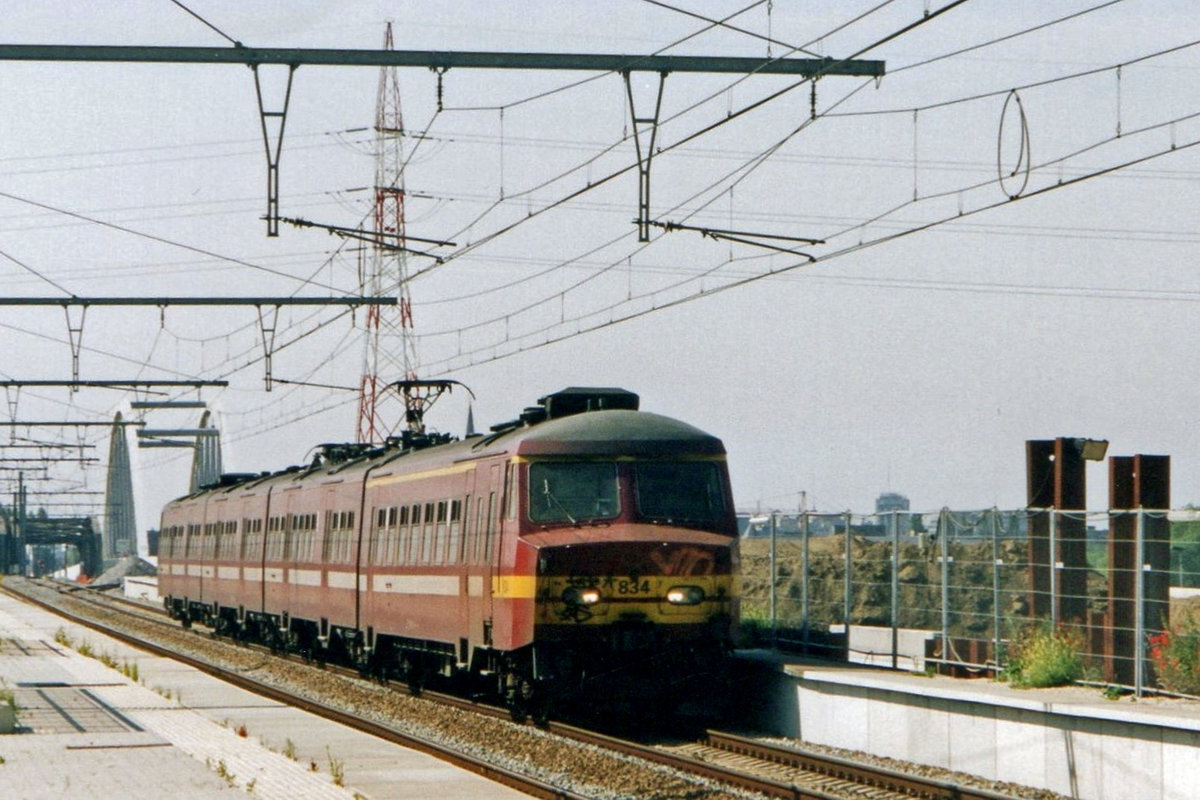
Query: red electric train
pixel 586 550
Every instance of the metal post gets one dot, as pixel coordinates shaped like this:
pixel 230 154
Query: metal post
pixel 804 578
pixel 944 557
pixel 848 600
pixel 1054 566
pixel 1139 594
pixel 895 590
pixel 774 625
pixel 21 500
pixel 996 561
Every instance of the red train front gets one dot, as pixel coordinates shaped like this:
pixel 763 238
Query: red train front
pixel 585 550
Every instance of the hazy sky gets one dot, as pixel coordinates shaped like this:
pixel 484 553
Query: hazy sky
pixel 942 325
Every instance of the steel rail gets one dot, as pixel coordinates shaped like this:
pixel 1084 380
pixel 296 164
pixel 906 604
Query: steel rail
pixel 846 769
pixel 523 783
pixel 878 779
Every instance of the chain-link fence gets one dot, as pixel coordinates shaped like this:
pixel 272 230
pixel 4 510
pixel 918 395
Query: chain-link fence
pixel 957 590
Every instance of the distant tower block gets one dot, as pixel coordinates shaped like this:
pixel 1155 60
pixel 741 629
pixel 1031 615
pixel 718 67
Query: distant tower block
pixel 206 458
pixel 119 537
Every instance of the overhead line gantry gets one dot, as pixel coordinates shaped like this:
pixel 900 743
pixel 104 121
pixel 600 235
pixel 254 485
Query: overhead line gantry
pixel 273 119
pixel 266 321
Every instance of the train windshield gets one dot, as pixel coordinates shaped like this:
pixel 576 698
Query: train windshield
pixel 680 492
pixel 573 492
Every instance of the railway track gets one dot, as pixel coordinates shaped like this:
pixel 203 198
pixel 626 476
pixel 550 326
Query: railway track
pixel 724 765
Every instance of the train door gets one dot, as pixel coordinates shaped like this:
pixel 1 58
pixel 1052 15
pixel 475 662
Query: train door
pixel 470 611
pixel 207 552
pixel 490 549
pixel 506 579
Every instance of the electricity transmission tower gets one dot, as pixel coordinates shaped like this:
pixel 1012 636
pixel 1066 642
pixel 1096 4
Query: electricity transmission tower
pixel 389 347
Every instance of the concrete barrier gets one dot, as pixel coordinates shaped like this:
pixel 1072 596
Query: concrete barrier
pixel 1071 741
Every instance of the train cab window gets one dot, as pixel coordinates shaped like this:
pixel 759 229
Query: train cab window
pixel 574 491
pixel 680 492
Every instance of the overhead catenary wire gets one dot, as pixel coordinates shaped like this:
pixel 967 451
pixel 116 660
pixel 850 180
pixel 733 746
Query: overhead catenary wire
pixel 544 339
pixel 552 297
pixel 569 260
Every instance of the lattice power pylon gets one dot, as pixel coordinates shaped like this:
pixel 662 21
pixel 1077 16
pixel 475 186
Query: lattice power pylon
pixel 389 352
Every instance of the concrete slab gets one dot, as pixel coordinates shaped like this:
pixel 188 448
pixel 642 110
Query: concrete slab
pixel 1069 740
pixel 175 732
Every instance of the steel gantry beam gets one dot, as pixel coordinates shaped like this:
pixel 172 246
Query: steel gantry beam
pixel 273 119
pixel 80 306
pixel 112 384
pixel 439 60
pixel 64 423
pixel 197 301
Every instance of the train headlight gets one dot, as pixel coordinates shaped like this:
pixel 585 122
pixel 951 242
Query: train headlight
pixel 574 596
pixel 685 595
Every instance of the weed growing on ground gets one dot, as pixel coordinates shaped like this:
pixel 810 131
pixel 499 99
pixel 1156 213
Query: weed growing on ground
pixel 1175 653
pixel 1041 657
pixel 337 769
pixel 224 773
pixel 62 637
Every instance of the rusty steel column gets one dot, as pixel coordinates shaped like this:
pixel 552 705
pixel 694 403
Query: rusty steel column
pixel 1136 482
pixel 1070 494
pixel 1056 481
pixel 1122 557
pixel 1039 472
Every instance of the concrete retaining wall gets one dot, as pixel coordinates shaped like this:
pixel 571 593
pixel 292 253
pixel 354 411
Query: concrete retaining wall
pixel 1070 741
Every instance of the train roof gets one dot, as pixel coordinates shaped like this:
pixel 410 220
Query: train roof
pixel 618 432
pixel 575 421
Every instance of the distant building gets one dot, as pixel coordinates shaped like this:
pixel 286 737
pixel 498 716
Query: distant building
pixel 891 501
pixel 891 504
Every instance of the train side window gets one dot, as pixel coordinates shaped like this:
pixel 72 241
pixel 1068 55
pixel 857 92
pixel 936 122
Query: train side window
pixel 477 541
pixel 327 547
pixel 440 534
pixel 402 535
pixel 378 539
pixel 412 535
pixel 393 519
pixel 454 537
pixel 427 534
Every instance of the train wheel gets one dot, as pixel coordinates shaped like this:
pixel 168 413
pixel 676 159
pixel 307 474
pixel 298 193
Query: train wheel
pixel 541 709
pixel 523 699
pixel 415 677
